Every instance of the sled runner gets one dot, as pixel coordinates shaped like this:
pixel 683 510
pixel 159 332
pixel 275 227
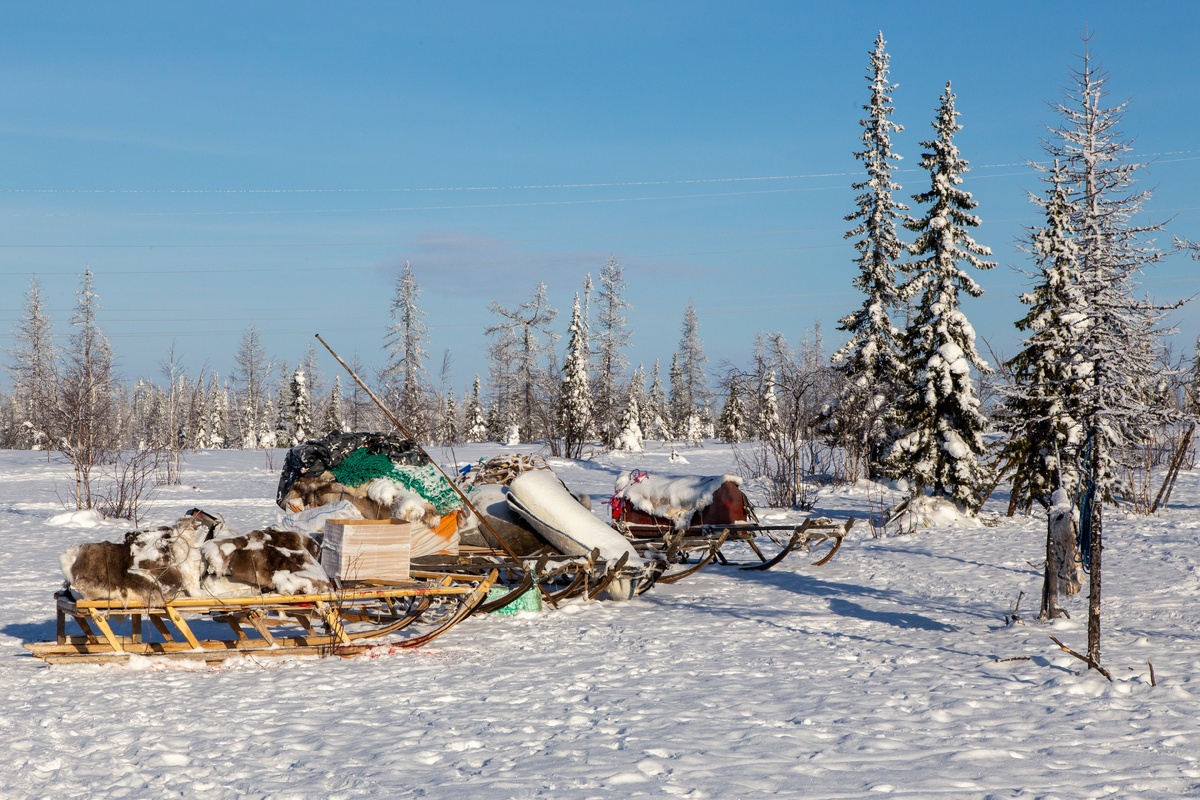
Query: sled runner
pixel 692 521
pixel 343 622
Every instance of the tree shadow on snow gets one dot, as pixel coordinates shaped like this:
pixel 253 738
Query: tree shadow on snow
pixel 898 619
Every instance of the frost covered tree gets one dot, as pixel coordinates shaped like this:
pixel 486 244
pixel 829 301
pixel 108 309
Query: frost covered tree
pixel 689 387
pixel 522 348
pixel 405 342
pixel 299 414
pixel 938 410
pixel 88 425
pixel 252 373
pixel 218 409
pixel 731 425
pixel 335 418
pixel 575 396
pixel 870 361
pixel 1041 412
pixel 449 432
pixel 1120 349
pixel 629 439
pixel 476 421
pixel 769 425
pixel 657 409
pixel 33 368
pixel 610 339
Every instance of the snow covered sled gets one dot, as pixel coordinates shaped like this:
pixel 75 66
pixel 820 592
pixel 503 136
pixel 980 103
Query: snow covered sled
pixel 209 594
pixel 690 520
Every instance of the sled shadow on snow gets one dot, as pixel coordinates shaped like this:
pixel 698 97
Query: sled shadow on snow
pixel 30 631
pixel 836 594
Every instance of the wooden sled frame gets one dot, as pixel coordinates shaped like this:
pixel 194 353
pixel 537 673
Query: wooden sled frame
pixel 348 618
pixel 556 577
pixel 701 545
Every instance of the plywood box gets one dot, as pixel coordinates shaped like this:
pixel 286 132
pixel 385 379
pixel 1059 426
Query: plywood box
pixel 367 549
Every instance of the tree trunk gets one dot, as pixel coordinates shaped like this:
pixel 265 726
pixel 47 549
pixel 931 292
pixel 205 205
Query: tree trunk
pixel 1093 650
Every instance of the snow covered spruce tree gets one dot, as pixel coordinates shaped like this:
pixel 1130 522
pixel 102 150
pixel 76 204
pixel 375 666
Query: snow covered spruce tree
pixel 630 437
pixel 335 418
pixel 1042 408
pixel 869 362
pixel 656 409
pixel 299 410
pixel 575 396
pixel 476 421
pixel 405 341
pixel 938 410
pixel 610 338
pixel 731 425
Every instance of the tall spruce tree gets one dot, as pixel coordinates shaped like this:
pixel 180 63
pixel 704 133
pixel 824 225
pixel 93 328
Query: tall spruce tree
pixel 1041 413
pixel 939 410
pixel 335 418
pixel 575 397
pixel 1122 348
pixel 299 411
pixel 870 361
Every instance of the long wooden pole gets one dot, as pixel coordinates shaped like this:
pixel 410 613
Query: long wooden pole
pixel 482 519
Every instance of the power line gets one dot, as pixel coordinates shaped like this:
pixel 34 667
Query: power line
pixel 541 186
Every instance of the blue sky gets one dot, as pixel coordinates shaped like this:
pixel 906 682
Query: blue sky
pixel 221 163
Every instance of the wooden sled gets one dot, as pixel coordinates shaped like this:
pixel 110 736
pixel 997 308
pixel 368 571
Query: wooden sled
pixel 555 576
pixel 342 622
pixel 704 543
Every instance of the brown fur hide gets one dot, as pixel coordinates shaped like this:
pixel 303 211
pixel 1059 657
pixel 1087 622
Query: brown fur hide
pixel 149 567
pixel 311 491
pixel 271 561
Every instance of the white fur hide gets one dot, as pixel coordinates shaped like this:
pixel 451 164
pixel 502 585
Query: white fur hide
pixel 405 505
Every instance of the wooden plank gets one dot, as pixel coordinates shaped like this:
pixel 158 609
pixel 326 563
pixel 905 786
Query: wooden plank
pixel 161 627
pixel 177 618
pixel 102 624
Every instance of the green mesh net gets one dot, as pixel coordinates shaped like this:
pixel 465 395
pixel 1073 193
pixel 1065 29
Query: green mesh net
pixel 361 467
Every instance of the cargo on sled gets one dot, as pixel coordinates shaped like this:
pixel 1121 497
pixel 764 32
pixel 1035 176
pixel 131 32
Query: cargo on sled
pixel 693 521
pixel 197 591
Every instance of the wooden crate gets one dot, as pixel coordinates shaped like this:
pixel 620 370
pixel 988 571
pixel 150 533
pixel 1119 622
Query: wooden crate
pixel 367 549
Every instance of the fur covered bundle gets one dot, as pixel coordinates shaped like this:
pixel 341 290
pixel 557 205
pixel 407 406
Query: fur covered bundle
pixel 266 561
pixel 148 567
pixel 156 565
pixel 676 498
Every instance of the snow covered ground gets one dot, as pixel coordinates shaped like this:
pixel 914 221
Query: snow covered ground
pixel 890 670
